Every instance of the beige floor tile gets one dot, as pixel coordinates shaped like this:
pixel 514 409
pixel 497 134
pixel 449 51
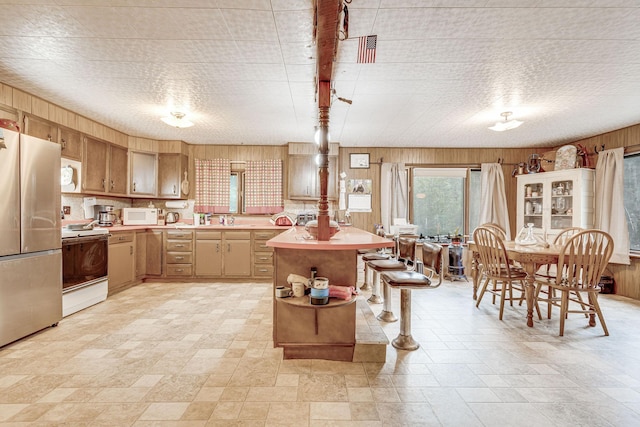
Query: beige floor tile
pixel 187 354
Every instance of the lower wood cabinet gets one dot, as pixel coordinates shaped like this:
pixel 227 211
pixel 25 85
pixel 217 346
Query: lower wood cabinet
pixel 208 254
pixel 237 254
pixel 178 253
pixel 122 260
pixel 154 251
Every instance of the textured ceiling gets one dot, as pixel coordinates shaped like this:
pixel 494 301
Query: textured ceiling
pixel 244 70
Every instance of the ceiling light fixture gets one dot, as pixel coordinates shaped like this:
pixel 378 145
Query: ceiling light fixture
pixel 507 124
pixel 177 120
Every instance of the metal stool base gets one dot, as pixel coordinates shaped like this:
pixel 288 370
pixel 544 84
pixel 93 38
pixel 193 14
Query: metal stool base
pixel 387 316
pixel 405 342
pixel 375 299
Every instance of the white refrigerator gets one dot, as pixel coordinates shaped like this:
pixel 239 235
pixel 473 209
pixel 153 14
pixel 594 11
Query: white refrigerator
pixel 30 241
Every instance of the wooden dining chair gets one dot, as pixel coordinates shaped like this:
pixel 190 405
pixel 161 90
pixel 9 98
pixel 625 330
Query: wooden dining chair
pixel 547 294
pixel 497 269
pixel 495 227
pixel 583 258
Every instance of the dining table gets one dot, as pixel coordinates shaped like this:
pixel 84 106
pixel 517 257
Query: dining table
pixel 530 257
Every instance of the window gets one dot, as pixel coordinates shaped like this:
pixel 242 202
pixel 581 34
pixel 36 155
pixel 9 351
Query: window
pixel 438 196
pixel 632 199
pixel 475 194
pixel 236 201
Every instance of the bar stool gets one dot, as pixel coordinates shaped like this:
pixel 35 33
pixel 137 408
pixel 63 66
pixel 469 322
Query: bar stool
pixel 367 255
pixel 406 261
pixel 408 280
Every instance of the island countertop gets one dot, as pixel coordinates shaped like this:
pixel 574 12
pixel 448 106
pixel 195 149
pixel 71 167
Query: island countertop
pixel 346 238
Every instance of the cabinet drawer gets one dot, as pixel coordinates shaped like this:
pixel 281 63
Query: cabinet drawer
pixel 179 235
pixel 261 245
pixel 179 258
pixel 263 257
pixel 237 235
pixel 179 245
pixel 263 270
pixel 265 235
pixel 179 269
pixel 208 235
pixel 121 238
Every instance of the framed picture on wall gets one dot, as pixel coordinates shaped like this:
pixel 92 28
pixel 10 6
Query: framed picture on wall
pixel 359 161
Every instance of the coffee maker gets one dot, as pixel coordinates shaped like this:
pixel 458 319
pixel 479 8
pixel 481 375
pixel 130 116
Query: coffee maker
pixel 104 215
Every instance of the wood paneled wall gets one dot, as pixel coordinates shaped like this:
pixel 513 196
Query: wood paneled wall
pixel 626 276
pixel 454 157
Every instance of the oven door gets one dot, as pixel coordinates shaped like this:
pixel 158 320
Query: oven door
pixel 84 261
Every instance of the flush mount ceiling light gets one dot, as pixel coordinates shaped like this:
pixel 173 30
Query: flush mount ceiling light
pixel 177 120
pixel 507 124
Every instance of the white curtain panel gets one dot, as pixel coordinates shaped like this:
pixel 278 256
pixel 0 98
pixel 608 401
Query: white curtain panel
pixel 393 193
pixel 493 203
pixel 609 202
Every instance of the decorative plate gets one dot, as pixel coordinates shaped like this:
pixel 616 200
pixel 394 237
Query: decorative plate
pixel 566 157
pixel 66 175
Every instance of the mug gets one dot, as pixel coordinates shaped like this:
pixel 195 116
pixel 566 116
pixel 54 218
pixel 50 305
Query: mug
pixel 321 283
pixel 298 289
pixel 282 292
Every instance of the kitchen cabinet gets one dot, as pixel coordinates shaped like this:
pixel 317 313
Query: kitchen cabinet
pixel 122 260
pixel 40 128
pixel 94 165
pixel 154 252
pixel 223 254
pixel 178 253
pixel 303 172
pixel 141 254
pixel 70 143
pixel 237 253
pixel 171 170
pixel 104 167
pixel 263 254
pixel 208 254
pixel 117 170
pixel 70 140
pixel 143 173
pixel 552 201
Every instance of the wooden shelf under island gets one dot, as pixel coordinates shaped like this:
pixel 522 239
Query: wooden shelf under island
pixel 308 331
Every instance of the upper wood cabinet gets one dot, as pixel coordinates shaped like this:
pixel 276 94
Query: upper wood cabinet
pixel 171 168
pixel 40 128
pixel 303 172
pixel 94 164
pixel 71 143
pixel 70 140
pixel 143 173
pixel 117 170
pixel 104 167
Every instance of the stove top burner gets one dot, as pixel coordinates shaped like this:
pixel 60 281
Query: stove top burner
pixel 67 234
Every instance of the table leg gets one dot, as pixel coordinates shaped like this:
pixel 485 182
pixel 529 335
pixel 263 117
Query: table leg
pixel 529 288
pixel 475 271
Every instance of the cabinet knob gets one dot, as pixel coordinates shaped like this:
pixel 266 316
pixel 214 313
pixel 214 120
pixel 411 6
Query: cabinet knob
pixel 134 186
pixel 179 257
pixel 63 143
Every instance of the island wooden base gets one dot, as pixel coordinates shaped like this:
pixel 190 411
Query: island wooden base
pixel 306 331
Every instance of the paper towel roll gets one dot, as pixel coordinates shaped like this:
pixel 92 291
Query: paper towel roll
pixel 176 204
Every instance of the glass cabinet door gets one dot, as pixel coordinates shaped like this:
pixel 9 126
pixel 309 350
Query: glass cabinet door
pixel 561 204
pixel 533 204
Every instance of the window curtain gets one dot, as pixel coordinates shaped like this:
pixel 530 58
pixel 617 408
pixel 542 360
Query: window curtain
pixel 213 181
pixel 609 202
pixel 263 187
pixel 493 201
pixel 393 193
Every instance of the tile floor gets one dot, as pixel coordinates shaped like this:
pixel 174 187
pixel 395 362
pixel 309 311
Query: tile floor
pixel 190 354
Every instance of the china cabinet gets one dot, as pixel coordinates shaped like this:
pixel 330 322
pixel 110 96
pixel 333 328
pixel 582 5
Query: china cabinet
pixel 552 201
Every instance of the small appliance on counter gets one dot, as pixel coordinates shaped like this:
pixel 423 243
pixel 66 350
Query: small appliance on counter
pixel 105 215
pixel 172 217
pixel 305 217
pixel 140 216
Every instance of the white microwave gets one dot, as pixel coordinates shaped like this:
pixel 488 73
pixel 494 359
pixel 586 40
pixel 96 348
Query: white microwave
pixel 139 216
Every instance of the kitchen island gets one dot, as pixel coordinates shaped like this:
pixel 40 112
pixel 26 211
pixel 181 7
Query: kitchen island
pixel 308 331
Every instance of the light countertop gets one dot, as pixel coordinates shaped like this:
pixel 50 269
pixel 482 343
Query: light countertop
pixel 346 238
